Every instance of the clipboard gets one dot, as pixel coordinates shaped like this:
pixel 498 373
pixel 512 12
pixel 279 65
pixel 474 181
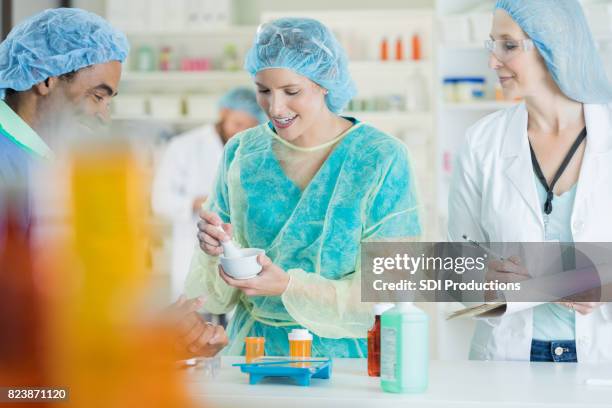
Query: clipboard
pixel 492 309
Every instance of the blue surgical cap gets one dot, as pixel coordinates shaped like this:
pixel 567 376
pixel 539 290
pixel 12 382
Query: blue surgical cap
pixel 56 42
pixel 560 32
pixel 307 47
pixel 243 99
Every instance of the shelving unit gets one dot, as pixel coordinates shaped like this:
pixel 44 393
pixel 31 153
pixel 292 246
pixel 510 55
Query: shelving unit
pixel 200 42
pixel 463 29
pixel 478 106
pixel 229 31
pixel 183 82
pixel 462 46
pixel 423 119
pixel 374 67
pixel 183 76
pixel 182 122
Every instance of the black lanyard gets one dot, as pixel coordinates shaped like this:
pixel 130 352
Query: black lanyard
pixel 540 175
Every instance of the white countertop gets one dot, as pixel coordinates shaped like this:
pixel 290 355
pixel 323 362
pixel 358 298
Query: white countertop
pixel 451 384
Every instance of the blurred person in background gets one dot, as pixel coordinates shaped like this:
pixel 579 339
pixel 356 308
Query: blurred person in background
pixel 186 174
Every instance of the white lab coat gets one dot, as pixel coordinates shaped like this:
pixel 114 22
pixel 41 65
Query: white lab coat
pixel 493 198
pixel 187 170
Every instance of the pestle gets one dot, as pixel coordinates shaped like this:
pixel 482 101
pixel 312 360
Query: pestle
pixel 230 249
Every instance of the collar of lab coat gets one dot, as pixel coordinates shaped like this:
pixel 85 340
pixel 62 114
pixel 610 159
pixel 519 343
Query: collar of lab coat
pixel 598 119
pixel 13 127
pixel 519 169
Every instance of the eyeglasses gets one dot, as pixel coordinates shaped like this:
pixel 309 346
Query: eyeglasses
pixel 505 50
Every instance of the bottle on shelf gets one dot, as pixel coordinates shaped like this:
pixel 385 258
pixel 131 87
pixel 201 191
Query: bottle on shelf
pixel 384 49
pixel 416 47
pixel 231 61
pixel 145 60
pixel 165 59
pixel 447 163
pixel 399 49
pixel 416 93
pixel 499 92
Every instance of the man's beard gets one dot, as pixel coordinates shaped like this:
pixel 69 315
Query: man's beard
pixel 66 126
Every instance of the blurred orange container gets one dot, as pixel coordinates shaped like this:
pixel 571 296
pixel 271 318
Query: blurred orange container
pixel 300 343
pixel 255 347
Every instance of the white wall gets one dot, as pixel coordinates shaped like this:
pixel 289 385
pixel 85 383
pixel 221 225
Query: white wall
pixel 26 8
pixel 245 11
pixel 96 6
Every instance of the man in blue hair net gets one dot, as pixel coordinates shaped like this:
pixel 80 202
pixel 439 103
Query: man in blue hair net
pixel 59 70
pixel 187 171
pixel 58 63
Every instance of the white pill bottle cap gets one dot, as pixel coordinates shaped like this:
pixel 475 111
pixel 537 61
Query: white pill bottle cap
pixel 300 335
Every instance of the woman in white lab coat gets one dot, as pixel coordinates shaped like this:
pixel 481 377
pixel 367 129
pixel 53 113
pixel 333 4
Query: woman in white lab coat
pixel 510 184
pixel 186 174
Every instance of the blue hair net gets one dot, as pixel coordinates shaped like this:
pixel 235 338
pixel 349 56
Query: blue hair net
pixel 561 34
pixel 307 47
pixel 243 99
pixel 56 42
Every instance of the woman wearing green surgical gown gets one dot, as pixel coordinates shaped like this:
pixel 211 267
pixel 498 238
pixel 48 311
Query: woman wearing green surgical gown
pixel 308 187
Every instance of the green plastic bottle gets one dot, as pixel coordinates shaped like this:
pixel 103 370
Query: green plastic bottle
pixel 404 349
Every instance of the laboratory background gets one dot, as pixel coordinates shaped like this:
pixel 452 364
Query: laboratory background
pixel 420 68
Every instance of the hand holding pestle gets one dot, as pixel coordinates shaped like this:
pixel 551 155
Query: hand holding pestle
pixel 230 249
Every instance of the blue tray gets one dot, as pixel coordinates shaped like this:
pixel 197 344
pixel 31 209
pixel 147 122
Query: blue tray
pixel 285 367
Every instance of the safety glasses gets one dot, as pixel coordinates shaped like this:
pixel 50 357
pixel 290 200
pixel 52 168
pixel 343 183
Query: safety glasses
pixel 505 50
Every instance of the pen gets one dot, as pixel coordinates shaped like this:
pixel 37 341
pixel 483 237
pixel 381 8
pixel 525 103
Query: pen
pixel 487 250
